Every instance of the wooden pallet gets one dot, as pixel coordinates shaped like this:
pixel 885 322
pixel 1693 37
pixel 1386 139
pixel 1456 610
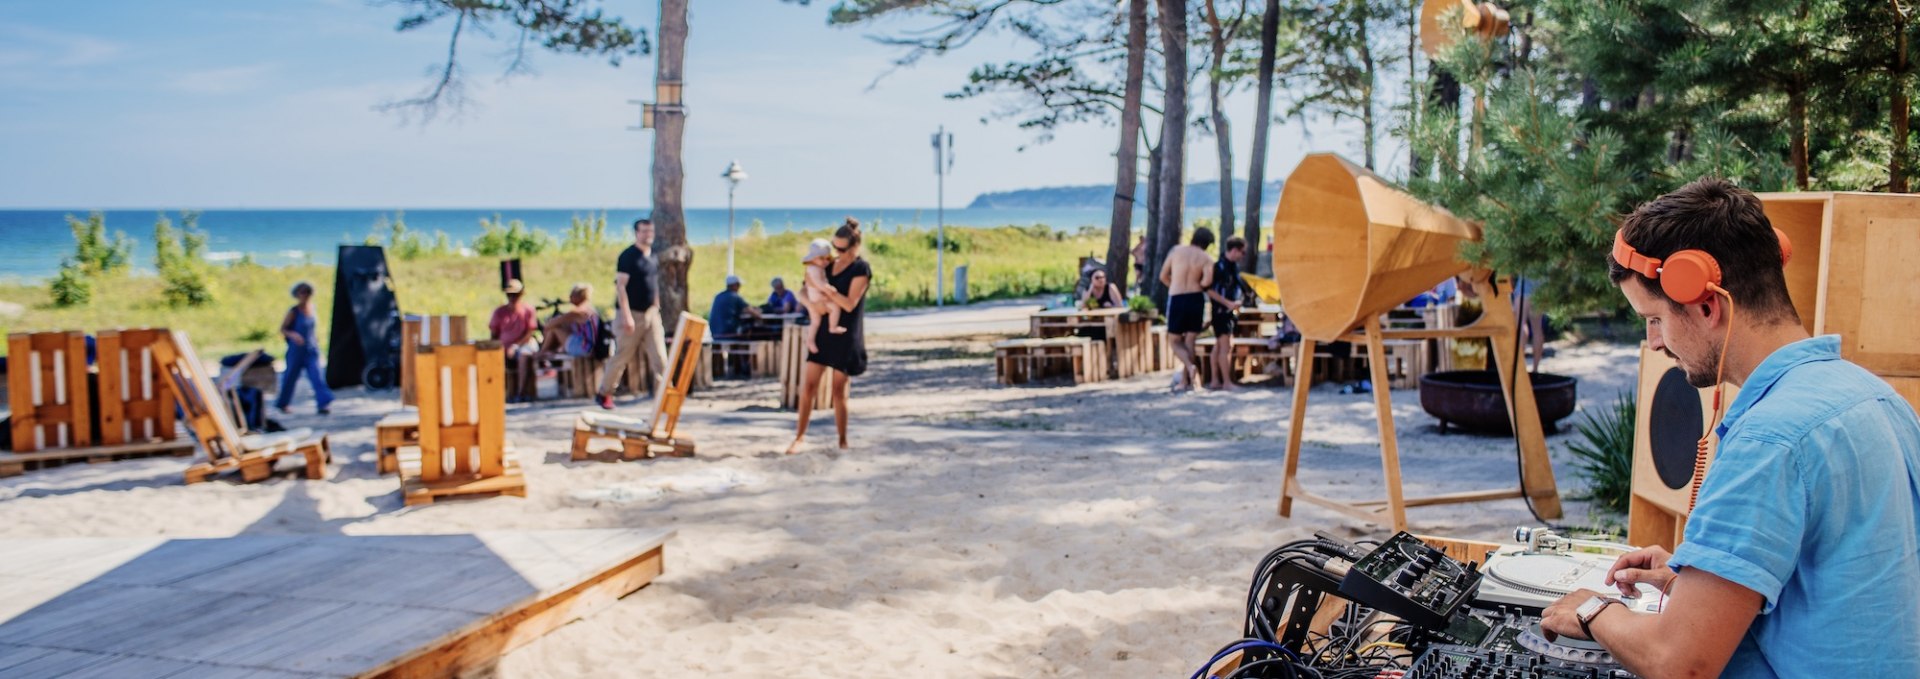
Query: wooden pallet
pixel 636 438
pixel 135 403
pixel 47 390
pixel 418 331
pixel 14 464
pixel 463 413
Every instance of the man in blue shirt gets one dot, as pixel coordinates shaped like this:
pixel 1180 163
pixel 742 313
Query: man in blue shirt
pixel 1802 555
pixel 728 310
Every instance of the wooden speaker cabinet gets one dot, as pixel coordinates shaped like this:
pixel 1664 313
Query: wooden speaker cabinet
pixel 1855 273
pixel 1668 423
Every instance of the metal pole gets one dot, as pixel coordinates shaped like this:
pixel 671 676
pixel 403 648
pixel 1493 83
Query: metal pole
pixel 940 217
pixel 730 188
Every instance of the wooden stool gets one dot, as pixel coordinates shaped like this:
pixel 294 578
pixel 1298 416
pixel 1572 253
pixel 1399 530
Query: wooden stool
pixel 392 433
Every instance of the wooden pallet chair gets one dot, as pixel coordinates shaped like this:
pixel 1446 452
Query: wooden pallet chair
pixel 226 444
pixel 417 331
pixel 791 362
pixel 1011 362
pixel 462 389
pixel 658 436
pixel 134 406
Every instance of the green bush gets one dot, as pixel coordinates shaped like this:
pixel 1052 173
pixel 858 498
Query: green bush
pixel 94 253
pixel 957 241
pixel 71 287
pixel 1604 453
pixel 757 230
pixel 180 257
pixel 513 239
pixel 405 244
pixel 586 234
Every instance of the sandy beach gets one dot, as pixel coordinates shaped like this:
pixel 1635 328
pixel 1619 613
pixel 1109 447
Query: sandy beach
pixel 970 531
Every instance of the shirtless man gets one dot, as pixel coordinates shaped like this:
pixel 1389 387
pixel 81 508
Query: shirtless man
pixel 1187 274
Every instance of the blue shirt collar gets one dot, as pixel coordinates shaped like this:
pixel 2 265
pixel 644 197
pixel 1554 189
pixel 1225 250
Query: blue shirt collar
pixel 1776 365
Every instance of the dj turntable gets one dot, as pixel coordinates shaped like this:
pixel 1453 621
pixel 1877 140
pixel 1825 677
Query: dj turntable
pixel 1535 580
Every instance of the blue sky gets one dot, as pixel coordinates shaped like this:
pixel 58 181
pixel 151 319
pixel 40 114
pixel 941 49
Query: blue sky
pixel 237 104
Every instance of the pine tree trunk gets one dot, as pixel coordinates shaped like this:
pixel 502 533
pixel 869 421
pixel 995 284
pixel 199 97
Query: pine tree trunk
pixel 1898 107
pixel 1797 153
pixel 1222 137
pixel 1173 135
pixel 1366 86
pixel 1263 119
pixel 1127 160
pixel 669 217
pixel 1151 285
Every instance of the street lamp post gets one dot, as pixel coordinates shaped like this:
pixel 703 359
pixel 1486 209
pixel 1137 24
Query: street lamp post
pixel 734 175
pixel 942 164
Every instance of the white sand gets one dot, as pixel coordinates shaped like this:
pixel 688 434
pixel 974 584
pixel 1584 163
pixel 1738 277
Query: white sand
pixel 972 531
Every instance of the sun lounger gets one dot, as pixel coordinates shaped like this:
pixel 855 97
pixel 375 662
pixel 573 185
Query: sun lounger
pixel 225 443
pixel 643 439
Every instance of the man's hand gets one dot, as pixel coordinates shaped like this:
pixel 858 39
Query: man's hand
pixel 1560 619
pixel 1234 306
pixel 626 323
pixel 1646 564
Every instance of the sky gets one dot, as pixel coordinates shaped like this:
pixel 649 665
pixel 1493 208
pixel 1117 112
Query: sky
pixel 211 104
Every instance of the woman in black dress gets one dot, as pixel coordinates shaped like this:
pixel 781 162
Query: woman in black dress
pixel 844 353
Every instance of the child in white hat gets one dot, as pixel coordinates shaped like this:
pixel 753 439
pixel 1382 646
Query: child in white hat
pixel 812 295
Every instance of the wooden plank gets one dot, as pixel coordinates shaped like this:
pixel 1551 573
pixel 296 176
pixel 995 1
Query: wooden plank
pixel 1296 426
pixel 1389 441
pixel 1464 496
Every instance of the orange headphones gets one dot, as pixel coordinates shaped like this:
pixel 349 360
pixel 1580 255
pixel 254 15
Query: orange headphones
pixel 1687 276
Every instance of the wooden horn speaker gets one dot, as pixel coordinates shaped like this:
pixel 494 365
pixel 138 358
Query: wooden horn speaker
pixel 1354 246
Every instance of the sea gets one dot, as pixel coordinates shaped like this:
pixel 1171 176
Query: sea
pixel 32 242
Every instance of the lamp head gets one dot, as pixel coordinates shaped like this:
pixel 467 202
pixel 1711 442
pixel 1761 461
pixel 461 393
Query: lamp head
pixel 734 174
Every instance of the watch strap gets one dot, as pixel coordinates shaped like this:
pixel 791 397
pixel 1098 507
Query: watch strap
pixel 1585 622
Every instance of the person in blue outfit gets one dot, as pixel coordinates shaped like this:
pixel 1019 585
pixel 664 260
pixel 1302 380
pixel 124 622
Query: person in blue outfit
pixel 1801 557
pixel 303 352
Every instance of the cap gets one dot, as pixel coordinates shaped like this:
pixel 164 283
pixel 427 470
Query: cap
pixel 513 287
pixel 817 249
pixel 732 280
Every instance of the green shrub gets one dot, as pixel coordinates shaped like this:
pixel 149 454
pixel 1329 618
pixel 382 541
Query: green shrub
pixel 586 234
pixel 512 240
pixel 180 257
pixel 1604 453
pixel 71 287
pixel 405 244
pixel 957 241
pixel 757 230
pixel 94 253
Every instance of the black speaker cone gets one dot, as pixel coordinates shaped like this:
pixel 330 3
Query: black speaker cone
pixel 1675 428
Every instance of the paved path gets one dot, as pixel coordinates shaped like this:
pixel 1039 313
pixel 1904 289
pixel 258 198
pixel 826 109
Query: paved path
pixel 1001 317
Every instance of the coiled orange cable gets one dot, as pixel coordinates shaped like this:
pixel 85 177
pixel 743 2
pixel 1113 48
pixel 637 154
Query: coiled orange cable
pixel 1720 372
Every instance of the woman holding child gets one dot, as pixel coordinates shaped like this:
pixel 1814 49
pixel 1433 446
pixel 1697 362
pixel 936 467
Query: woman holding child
pixel 843 348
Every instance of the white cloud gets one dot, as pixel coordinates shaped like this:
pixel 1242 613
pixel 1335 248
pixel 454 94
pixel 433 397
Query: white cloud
pixel 221 80
pixel 35 46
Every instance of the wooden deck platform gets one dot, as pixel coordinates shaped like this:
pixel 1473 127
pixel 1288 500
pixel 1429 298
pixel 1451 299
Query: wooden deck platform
pixel 303 605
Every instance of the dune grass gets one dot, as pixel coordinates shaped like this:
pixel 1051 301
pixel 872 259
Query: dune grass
pixel 250 300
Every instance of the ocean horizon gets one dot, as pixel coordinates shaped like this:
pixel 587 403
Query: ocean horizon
pixel 37 239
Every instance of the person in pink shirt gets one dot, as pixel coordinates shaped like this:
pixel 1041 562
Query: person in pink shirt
pixel 512 326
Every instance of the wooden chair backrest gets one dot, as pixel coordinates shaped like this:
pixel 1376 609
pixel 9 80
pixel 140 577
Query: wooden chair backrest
pixel 682 362
pixel 201 402
pixel 135 403
pixel 47 390
pixel 463 410
pixel 418 331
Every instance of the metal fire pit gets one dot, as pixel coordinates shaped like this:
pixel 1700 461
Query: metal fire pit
pixel 1471 400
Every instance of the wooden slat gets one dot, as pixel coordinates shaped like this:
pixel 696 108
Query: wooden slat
pixel 462 395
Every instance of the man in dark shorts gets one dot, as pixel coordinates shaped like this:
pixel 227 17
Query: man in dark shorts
pixel 1187 274
pixel 1226 293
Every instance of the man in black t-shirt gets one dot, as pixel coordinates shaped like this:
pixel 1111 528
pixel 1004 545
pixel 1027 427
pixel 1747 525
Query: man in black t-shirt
pixel 638 335
pixel 1227 294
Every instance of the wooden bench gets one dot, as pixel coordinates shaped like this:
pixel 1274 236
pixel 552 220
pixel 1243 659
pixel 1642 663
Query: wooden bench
pixel 48 392
pixel 463 417
pixel 659 435
pixel 225 443
pixel 1251 356
pixel 1023 360
pixel 418 331
pixel 730 356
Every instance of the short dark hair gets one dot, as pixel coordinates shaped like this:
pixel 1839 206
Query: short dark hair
pixel 1202 237
pixel 1726 221
pixel 1234 243
pixel 642 220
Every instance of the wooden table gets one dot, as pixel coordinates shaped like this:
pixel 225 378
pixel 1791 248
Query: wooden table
pixel 1127 340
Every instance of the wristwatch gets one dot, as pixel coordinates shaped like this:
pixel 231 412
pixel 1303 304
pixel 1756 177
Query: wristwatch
pixel 1591 609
